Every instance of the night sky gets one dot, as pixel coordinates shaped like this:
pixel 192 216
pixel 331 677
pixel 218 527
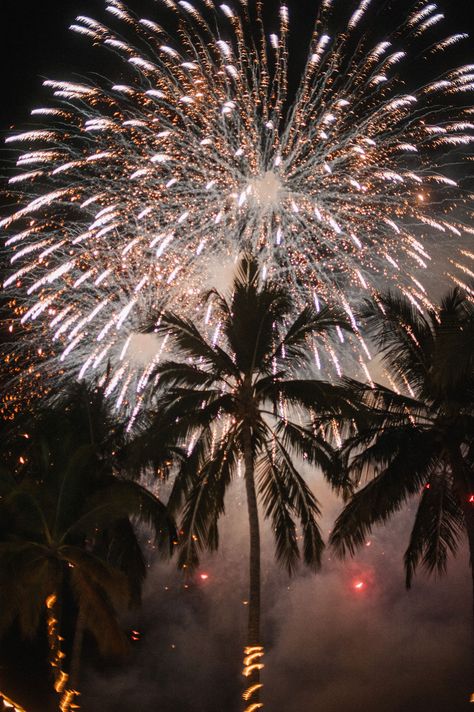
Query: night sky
pixel 330 647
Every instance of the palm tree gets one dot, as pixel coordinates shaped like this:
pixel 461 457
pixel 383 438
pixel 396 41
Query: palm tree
pixel 67 523
pixel 243 400
pixel 418 445
pixel 45 548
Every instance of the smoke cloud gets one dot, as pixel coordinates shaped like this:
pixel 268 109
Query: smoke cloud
pixel 348 638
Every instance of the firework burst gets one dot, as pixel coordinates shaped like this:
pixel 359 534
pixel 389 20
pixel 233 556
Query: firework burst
pixel 137 190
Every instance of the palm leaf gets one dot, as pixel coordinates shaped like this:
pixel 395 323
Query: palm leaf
pixel 403 335
pixel 403 447
pixel 438 528
pixel 205 501
pixel 319 396
pixel 123 498
pixel 97 571
pixel 453 361
pixel 294 343
pixel 305 506
pixel 188 472
pixel 191 343
pixel 404 462
pixel 26 579
pixel 177 373
pixel 277 506
pixel 100 613
pixel 310 445
pixel 123 551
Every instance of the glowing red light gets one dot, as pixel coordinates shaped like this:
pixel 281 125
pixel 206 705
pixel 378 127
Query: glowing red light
pixel 359 585
pixel 428 486
pixel 471 499
pixel 204 577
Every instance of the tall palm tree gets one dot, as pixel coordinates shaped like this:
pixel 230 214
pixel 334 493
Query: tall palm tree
pixel 68 522
pixel 419 445
pixel 243 400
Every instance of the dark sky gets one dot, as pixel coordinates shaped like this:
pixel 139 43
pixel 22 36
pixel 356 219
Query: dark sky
pixel 330 648
pixel 35 43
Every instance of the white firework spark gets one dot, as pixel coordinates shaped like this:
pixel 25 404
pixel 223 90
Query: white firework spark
pixel 139 189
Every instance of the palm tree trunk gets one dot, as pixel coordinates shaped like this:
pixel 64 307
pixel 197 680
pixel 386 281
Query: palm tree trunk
pixel 76 651
pixel 253 649
pixel 54 642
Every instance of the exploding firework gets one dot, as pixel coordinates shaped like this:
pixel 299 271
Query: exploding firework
pixel 137 190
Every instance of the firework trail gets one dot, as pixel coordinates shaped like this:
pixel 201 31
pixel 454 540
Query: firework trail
pixel 137 190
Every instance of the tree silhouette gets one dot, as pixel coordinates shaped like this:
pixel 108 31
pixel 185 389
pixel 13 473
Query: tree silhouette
pixel 420 445
pixel 243 400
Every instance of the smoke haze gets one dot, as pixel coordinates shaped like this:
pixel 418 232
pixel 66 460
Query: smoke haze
pixel 330 646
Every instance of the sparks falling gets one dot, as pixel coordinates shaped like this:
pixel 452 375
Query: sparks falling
pixel 139 189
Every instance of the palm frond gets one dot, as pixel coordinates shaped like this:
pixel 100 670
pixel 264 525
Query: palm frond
pixel 138 502
pixel 247 272
pixel 438 528
pixel 305 506
pixel 403 469
pixel 277 507
pixel 188 472
pixel 310 445
pixel 28 514
pixel 123 498
pixel 403 335
pixel 101 617
pixel 453 361
pixel 177 373
pixel 191 343
pixel 403 448
pixel 123 551
pixel 316 396
pixel 71 486
pixel 43 577
pixel 26 579
pixel 205 501
pixel 98 572
pixel 293 345
pixel 193 409
pixel 376 400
